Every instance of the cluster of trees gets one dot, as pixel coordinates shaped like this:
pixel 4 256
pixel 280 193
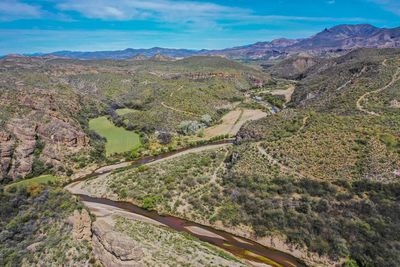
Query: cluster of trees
pixel 277 101
pixel 193 127
pixel 27 213
pixel 359 219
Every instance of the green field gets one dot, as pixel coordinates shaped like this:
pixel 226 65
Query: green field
pixel 124 111
pixel 44 179
pixel 119 140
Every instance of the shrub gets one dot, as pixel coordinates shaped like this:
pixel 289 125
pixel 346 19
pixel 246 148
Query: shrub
pixel 190 127
pixel 150 202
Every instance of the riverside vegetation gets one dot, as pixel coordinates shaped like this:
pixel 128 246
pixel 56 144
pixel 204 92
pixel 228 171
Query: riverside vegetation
pixel 322 175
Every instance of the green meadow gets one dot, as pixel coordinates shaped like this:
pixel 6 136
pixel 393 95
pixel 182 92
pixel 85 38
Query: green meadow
pixel 119 140
pixel 124 111
pixel 43 179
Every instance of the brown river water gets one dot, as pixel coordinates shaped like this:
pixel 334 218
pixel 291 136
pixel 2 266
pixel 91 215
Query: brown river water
pixel 247 249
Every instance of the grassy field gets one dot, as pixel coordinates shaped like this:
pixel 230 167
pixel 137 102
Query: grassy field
pixel 118 139
pixel 44 179
pixel 124 111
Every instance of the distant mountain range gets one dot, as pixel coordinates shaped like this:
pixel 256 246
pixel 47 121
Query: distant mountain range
pixel 337 40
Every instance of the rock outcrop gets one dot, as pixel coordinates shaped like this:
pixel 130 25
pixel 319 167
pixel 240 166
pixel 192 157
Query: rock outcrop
pixel 63 133
pixel 6 153
pixel 395 103
pixel 19 139
pixel 82 225
pixel 113 248
pixel 246 135
pixel 24 132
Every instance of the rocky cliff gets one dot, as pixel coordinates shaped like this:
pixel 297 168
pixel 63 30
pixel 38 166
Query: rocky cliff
pixel 22 136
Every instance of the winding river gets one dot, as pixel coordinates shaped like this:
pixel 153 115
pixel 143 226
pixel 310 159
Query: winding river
pixel 238 246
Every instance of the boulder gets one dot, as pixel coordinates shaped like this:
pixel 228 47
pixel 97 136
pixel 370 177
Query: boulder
pixel 395 103
pixel 113 248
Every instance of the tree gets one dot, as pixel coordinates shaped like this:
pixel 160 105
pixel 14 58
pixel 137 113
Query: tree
pixel 206 119
pixel 164 137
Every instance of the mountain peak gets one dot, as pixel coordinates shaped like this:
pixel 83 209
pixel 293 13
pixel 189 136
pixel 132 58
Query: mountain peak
pixel 353 30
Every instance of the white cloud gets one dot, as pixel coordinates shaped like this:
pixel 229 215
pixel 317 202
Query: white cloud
pixel 156 9
pixel 13 9
pixel 389 5
pixel 192 13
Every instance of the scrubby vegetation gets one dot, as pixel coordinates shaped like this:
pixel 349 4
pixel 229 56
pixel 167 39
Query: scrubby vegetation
pixel 34 229
pixel 61 96
pixel 168 186
pixel 339 218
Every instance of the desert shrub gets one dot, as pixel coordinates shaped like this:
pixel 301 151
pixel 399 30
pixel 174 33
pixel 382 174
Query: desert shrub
pixel 150 202
pixel 190 127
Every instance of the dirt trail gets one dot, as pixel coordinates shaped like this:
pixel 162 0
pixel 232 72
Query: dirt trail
pixel 360 107
pixel 177 90
pixel 214 176
pixel 282 166
pixel 178 110
pixel 274 161
pixel 356 75
pixel 305 119
pixel 175 109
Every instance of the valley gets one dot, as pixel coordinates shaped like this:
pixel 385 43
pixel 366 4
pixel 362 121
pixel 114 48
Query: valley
pixel 202 161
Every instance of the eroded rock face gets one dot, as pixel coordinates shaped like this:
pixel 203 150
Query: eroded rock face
pixel 82 225
pixel 113 248
pixel 6 153
pixel 58 131
pixel 19 139
pixel 24 133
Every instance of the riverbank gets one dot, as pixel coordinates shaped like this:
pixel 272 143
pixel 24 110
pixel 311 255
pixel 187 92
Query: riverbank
pixel 237 245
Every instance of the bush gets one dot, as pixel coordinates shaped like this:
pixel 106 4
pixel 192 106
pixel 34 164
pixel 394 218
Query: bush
pixel 190 127
pixel 150 202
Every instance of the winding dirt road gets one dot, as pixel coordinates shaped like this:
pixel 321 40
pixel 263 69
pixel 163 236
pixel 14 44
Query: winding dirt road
pixel 178 110
pixel 360 107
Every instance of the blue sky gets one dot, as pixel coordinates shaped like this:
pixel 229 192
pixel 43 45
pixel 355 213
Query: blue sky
pixel 89 25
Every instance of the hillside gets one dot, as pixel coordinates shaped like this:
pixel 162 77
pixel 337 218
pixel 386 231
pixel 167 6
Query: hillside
pixel 46 104
pixel 319 179
pixel 336 85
